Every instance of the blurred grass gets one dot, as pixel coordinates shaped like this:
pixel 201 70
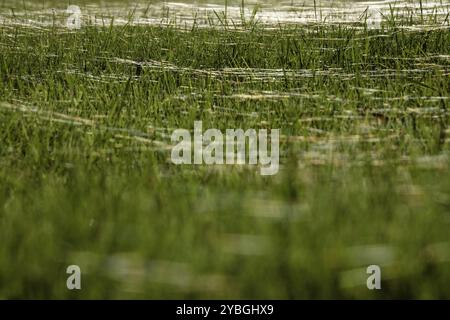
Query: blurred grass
pixel 86 177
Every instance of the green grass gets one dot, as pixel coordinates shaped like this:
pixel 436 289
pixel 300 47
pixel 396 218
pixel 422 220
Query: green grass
pixel 86 176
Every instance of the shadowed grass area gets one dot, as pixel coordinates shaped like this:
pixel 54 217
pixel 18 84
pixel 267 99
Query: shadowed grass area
pixel 86 177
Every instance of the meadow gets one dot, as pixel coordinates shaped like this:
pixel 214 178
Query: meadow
pixel 86 178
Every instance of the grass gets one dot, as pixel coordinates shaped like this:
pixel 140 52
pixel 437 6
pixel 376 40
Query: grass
pixel 86 177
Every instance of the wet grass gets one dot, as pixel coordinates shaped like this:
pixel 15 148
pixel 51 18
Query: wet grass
pixel 86 177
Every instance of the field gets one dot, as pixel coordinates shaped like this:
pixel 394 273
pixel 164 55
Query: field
pixel 86 177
